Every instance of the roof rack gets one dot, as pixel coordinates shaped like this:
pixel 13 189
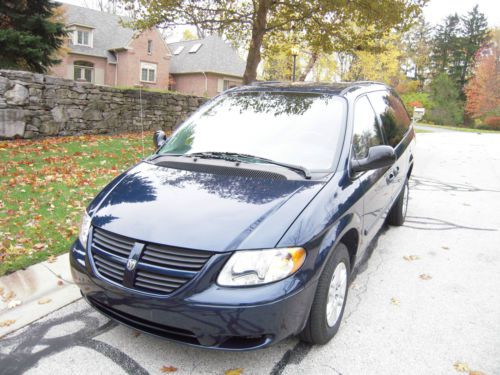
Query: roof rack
pixel 259 83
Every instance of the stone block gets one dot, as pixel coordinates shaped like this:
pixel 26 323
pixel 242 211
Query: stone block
pixel 18 95
pixel 59 114
pixel 12 123
pixel 50 128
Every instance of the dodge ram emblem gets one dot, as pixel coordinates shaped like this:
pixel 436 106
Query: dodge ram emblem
pixel 131 264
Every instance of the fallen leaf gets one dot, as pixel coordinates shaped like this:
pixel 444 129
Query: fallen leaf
pixel 136 333
pixel 425 276
pixel 51 259
pixel 395 301
pixel 60 282
pixel 166 369
pixel 234 371
pixel 461 367
pixel 6 323
pixel 13 303
pixel 445 248
pixel 8 295
pixel 39 246
pixel 43 301
pixel 472 372
pixel 410 258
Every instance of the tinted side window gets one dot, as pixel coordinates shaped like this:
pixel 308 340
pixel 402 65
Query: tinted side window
pixel 392 114
pixel 366 131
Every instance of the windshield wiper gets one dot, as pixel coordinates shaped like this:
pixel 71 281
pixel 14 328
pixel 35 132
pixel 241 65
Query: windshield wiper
pixel 234 156
pixel 213 155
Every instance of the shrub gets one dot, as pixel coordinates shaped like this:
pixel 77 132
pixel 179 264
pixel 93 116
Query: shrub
pixel 447 108
pixel 416 99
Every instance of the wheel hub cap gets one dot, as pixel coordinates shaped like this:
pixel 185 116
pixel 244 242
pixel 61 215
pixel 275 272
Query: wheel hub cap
pixel 336 294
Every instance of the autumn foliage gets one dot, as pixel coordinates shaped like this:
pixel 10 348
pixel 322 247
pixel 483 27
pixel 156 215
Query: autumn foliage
pixel 483 90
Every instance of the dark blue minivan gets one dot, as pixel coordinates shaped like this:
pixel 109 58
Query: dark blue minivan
pixel 245 225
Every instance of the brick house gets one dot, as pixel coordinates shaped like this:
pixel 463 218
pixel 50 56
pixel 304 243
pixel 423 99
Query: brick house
pixel 205 66
pixel 102 51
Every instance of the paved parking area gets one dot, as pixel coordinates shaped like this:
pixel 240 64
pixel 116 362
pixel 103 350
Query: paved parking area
pixel 426 301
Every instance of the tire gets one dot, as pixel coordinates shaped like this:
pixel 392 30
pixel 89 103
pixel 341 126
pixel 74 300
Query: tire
pixel 318 329
pixel 397 214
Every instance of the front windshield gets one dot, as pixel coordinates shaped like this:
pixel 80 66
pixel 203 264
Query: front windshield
pixel 293 128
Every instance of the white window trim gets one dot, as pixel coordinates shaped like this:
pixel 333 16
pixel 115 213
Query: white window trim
pixel 220 83
pixel 75 37
pixel 82 67
pixel 148 66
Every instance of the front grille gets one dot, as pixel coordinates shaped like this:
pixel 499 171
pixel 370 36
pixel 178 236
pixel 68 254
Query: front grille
pixel 175 258
pixel 160 269
pixel 157 283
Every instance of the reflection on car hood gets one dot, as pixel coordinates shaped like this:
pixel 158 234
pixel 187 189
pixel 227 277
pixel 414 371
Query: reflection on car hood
pixel 201 210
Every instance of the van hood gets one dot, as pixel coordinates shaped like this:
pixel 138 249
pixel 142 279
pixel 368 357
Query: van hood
pixel 215 212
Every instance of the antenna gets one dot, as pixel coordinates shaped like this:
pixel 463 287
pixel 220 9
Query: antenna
pixel 142 117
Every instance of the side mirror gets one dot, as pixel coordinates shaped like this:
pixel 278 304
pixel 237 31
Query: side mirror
pixel 159 138
pixel 378 157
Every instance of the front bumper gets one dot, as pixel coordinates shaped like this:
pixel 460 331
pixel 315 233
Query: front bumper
pixel 212 317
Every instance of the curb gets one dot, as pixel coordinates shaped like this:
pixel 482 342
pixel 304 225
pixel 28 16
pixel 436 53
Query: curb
pixel 28 295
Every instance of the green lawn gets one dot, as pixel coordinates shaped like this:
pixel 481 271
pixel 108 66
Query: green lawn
pixel 45 186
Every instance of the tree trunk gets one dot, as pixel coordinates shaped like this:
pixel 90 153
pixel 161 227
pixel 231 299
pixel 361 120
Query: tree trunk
pixel 309 66
pixel 258 32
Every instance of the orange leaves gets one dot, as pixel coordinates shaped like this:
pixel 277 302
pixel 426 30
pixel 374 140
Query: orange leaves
pixel 234 371
pixel 44 186
pixel 168 369
pixel 6 323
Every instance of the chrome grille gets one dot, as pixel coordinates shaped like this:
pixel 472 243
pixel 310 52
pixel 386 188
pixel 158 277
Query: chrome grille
pixel 112 243
pixel 160 269
pixel 175 258
pixel 155 282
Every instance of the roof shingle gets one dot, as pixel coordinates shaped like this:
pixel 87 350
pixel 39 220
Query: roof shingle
pixel 214 56
pixel 108 33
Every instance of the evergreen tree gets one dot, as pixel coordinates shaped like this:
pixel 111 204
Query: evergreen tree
pixel 29 38
pixel 455 44
pixel 444 43
pixel 447 108
pixel 474 34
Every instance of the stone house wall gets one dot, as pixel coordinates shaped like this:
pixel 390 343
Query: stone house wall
pixel 37 105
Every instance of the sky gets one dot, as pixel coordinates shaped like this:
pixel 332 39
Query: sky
pixel 434 12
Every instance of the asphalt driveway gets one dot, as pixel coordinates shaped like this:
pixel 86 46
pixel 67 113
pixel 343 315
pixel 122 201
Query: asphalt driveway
pixel 426 301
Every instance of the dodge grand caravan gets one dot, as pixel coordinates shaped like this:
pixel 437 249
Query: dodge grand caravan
pixel 244 227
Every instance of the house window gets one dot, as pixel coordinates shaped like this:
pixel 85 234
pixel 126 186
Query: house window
pixel 223 85
pixel 178 50
pixel 150 47
pixel 195 48
pixel 148 72
pixel 82 37
pixel 83 71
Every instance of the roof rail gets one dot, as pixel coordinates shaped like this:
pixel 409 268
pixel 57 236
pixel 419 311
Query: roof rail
pixel 258 83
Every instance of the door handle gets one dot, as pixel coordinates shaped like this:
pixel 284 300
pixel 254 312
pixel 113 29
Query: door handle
pixel 391 177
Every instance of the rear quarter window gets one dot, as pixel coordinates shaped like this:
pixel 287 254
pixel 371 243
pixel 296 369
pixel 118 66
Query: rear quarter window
pixel 393 116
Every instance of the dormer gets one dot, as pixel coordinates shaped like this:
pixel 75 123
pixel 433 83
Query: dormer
pixel 82 35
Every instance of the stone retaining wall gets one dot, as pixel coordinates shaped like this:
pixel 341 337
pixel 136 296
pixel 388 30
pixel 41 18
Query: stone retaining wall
pixel 37 105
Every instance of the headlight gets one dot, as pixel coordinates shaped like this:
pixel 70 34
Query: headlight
pixel 261 266
pixel 84 229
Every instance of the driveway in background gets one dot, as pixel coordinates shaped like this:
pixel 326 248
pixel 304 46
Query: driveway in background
pixel 425 302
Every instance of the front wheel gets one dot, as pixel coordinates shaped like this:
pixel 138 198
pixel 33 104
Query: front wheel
pixel 330 299
pixel 397 214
